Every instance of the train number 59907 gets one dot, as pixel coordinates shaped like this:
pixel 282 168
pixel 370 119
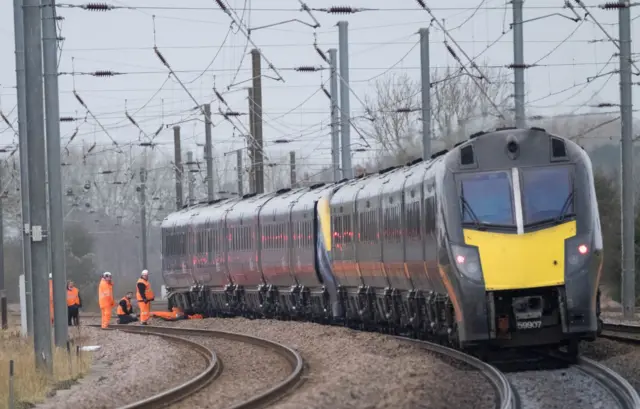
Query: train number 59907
pixel 529 324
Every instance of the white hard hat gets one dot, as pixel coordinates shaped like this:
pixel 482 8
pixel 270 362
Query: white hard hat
pixel 107 274
pixel 50 276
pixel 145 272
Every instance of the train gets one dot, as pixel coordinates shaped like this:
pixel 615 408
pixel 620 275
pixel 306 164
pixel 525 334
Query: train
pixel 495 243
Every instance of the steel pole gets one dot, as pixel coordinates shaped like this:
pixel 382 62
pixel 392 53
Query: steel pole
pixel 179 169
pixel 208 151
pixel 56 212
pixel 37 160
pixel 239 165
pixel 257 112
pixel 425 69
pixel 18 20
pixel 626 119
pixel 143 215
pixel 292 169
pixel 345 107
pixel 335 121
pixel 518 63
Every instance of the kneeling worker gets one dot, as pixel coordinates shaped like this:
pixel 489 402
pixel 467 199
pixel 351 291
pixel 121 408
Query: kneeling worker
pixel 125 309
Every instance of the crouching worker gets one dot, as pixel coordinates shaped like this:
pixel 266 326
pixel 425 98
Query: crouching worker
pixel 125 309
pixel 176 314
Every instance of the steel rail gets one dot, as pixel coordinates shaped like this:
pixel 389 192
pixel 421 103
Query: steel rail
pixel 507 398
pixel 188 388
pixel 621 390
pixel 621 333
pixel 270 395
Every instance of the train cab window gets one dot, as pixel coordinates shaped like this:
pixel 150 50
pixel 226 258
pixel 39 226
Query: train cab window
pixel 486 199
pixel 547 194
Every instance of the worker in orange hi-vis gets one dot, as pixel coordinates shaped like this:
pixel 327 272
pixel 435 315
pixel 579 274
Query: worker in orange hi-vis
pixel 144 295
pixel 51 297
pixel 105 298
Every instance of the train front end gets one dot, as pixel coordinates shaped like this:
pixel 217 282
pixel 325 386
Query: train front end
pixel 525 247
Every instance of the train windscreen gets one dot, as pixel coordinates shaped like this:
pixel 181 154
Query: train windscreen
pixel 487 199
pixel 547 194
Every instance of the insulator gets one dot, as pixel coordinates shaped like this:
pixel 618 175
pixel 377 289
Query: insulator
pixel 104 73
pixel 133 121
pixel 232 113
pixel 79 99
pixel 404 110
pixel 612 5
pixel 219 96
pixel 422 4
pixel 326 92
pixel 341 10
pixel 281 141
pixel 87 186
pixel 306 68
pixel 106 172
pixel 321 54
pixel 87 205
pixel 606 105
pixel 97 7
pixel 92 148
pixel 166 64
pixel 159 130
pixel 67 119
pixel 453 53
pixel 116 183
pixel 146 144
pixel 72 136
pixel 221 5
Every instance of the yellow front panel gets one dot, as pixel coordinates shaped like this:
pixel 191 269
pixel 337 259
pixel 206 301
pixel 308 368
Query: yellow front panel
pixel 511 261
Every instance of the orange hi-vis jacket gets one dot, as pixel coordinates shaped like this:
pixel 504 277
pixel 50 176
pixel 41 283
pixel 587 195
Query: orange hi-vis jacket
pixel 73 297
pixel 105 294
pixel 127 303
pixel 148 292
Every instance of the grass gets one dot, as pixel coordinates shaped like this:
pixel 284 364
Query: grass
pixel 31 386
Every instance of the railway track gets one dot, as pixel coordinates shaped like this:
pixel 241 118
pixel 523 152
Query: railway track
pixel 506 398
pixel 622 333
pixel 538 378
pixel 215 367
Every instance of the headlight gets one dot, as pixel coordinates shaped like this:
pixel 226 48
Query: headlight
pixel 467 261
pixel 577 251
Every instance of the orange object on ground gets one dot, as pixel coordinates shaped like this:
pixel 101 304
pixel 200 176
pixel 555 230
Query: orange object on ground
pixel 105 297
pixel 175 314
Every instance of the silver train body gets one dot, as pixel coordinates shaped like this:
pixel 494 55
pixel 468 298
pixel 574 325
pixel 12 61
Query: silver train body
pixel 396 250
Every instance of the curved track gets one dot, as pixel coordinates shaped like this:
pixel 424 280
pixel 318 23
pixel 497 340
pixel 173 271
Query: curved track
pixel 622 391
pixel 177 393
pixel 583 383
pixel 215 367
pixel 506 398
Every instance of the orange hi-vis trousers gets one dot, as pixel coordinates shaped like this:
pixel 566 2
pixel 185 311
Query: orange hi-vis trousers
pixel 106 317
pixel 145 311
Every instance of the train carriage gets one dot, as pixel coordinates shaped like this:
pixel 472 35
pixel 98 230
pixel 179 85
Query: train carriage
pixel 494 243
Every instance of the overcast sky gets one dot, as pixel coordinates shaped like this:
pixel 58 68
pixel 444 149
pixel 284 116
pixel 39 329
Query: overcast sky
pixel 189 33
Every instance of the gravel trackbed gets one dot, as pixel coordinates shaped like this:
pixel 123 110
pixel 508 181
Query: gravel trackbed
pixel 127 368
pixel 352 369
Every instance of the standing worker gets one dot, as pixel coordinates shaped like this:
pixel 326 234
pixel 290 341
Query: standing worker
pixel 74 303
pixel 125 309
pixel 105 297
pixel 51 297
pixel 144 295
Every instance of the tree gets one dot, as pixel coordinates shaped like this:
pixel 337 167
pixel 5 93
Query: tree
pixel 459 107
